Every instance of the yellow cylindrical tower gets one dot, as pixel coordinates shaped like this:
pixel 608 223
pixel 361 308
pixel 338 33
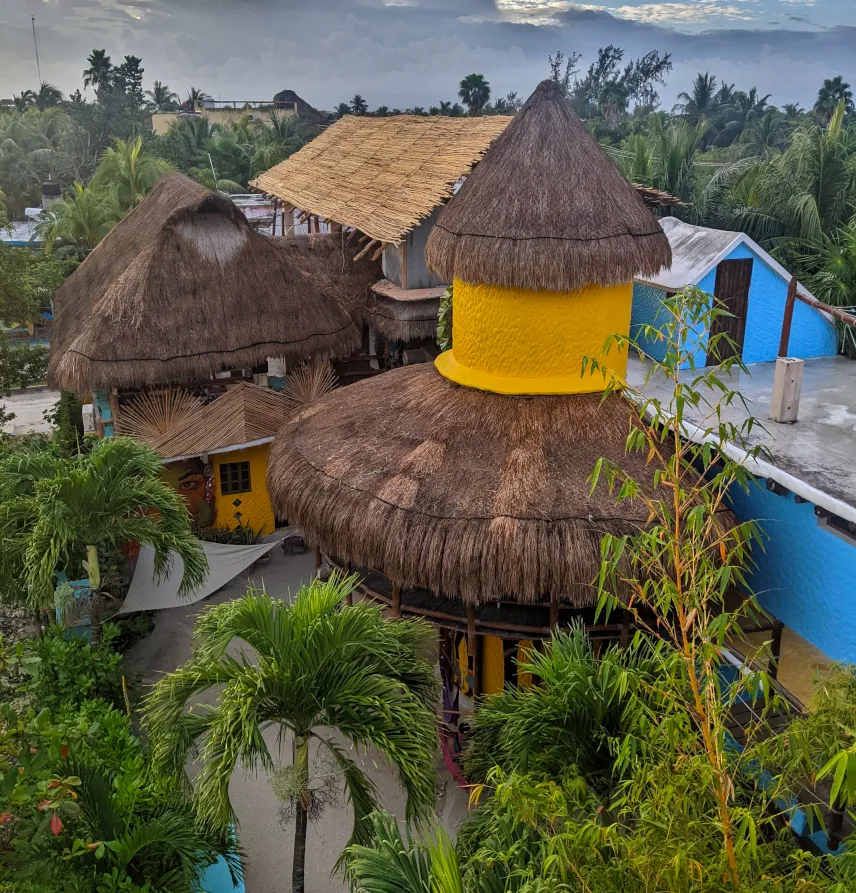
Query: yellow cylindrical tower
pixel 519 341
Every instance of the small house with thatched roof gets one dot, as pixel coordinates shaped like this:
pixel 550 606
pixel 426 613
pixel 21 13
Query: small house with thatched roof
pixel 216 456
pixel 459 490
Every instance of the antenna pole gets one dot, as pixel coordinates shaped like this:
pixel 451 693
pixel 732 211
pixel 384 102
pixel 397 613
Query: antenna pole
pixel 36 45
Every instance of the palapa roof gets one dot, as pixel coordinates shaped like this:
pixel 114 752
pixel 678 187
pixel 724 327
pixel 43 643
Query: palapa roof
pixel 245 415
pixel 460 491
pixel 546 209
pixel 382 175
pixel 183 287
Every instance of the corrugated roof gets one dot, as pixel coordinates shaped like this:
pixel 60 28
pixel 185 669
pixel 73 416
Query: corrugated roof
pixel 696 250
pixel 245 414
pixel 382 175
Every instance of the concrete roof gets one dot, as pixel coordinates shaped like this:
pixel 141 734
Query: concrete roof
pixel 813 457
pixel 696 250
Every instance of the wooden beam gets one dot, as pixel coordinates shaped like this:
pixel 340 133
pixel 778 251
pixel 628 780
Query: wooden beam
pixel 554 611
pixel 396 600
pixel 114 406
pixel 365 250
pixel 363 239
pixel 474 649
pixel 380 251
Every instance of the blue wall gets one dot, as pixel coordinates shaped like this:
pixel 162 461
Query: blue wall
pixel 807 575
pixel 812 335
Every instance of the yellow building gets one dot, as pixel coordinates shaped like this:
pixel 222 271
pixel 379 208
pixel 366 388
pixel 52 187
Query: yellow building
pixel 461 492
pixel 217 457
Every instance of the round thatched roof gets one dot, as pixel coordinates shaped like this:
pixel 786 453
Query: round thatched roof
pixel 465 493
pixel 546 209
pixel 184 287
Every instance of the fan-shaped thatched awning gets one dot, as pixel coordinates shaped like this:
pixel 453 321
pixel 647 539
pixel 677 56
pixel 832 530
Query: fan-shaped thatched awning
pixel 245 414
pixel 546 208
pixel 184 287
pixel 459 491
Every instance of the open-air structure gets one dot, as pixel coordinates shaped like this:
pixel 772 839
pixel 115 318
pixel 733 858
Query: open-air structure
pixel 459 490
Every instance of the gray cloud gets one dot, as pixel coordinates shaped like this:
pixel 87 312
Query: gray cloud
pixel 394 52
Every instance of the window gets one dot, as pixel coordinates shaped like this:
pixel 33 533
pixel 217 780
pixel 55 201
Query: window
pixel 234 477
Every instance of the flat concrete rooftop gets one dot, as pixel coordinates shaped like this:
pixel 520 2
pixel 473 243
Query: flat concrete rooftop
pixel 819 449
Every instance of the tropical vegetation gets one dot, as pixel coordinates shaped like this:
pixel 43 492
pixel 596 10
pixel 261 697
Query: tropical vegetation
pixel 320 676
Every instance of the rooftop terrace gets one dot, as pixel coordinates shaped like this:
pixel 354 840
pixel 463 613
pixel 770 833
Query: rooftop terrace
pixel 815 457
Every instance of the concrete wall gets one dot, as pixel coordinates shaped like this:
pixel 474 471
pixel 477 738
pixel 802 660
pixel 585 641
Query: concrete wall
pixel 806 575
pixel 418 274
pixel 255 508
pixel 812 335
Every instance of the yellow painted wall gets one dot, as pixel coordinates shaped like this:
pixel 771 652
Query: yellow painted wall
pixel 516 341
pixel 255 508
pixel 493 665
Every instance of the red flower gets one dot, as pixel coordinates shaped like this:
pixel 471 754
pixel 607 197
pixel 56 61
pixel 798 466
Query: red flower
pixel 43 804
pixel 6 818
pixel 56 825
pixel 64 751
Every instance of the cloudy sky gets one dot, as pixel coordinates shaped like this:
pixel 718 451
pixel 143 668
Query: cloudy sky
pixel 413 52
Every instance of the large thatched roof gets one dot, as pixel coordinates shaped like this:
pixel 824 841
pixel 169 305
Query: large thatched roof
pixel 184 287
pixel 463 492
pixel 381 175
pixel 546 209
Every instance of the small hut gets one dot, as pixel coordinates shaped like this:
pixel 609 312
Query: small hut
pixel 217 456
pixel 184 300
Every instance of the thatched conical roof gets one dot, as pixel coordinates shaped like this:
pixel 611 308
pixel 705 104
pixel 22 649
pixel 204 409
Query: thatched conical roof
pixel 182 288
pixel 546 209
pixel 462 492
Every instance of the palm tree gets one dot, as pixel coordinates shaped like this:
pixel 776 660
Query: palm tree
pixel 161 98
pixel 702 102
pixel 389 865
pixel 612 102
pixel 342 109
pixel 445 108
pixel 474 91
pixel 674 157
pixel 831 94
pixel 195 96
pixel 23 100
pixel 416 110
pixel 382 111
pixel 358 105
pixel 740 112
pixel 80 220
pixel 47 97
pixel 129 171
pixel 56 512
pixel 303 669
pixel 767 135
pixel 100 71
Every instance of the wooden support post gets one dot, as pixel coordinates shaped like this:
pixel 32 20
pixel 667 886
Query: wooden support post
pixel 836 823
pixel 396 600
pixel 554 611
pixel 787 386
pixel 349 598
pixel 288 220
pixel 317 559
pixel 474 649
pixel 114 406
pixel 775 650
pixel 788 317
pixel 624 635
pixel 403 249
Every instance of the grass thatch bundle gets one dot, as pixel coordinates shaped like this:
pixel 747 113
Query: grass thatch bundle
pixel 403 315
pixel 381 175
pixel 466 493
pixel 183 288
pixel 546 209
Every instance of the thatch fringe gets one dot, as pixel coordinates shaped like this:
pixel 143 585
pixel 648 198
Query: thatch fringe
pixel 410 320
pixel 465 493
pixel 184 288
pixel 546 209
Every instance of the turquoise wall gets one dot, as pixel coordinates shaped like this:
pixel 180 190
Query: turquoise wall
pixel 812 335
pixel 807 575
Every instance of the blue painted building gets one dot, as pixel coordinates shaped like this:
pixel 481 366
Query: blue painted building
pixel 751 283
pixel 806 575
